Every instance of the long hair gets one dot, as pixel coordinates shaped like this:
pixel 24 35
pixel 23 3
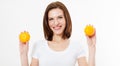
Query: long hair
pixel 48 33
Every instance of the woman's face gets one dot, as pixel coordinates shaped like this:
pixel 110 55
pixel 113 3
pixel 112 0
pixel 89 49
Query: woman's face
pixel 56 21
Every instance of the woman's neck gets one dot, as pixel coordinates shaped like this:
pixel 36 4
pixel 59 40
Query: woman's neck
pixel 57 38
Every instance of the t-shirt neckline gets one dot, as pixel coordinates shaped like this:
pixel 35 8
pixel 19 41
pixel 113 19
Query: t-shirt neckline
pixel 63 51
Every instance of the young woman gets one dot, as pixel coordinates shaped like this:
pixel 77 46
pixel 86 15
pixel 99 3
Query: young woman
pixel 58 49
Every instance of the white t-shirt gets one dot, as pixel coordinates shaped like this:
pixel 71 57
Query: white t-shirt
pixel 49 57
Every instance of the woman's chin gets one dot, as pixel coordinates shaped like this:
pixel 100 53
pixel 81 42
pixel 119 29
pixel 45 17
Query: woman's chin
pixel 57 33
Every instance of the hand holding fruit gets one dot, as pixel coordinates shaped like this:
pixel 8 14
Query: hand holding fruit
pixel 90 33
pixel 24 37
pixel 91 41
pixel 89 30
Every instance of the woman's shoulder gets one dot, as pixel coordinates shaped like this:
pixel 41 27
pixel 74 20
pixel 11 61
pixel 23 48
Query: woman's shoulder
pixel 79 47
pixel 40 43
pixel 77 43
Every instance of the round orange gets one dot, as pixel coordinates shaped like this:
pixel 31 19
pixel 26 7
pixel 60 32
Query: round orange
pixel 24 37
pixel 89 30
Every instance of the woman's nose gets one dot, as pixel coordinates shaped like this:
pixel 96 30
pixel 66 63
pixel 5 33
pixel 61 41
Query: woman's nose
pixel 56 22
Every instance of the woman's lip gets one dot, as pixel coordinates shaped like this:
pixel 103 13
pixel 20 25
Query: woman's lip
pixel 57 28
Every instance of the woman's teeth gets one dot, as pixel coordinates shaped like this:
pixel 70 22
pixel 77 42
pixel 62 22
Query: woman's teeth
pixel 57 28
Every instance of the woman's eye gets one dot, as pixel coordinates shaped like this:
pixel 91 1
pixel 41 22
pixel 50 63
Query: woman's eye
pixel 50 19
pixel 60 17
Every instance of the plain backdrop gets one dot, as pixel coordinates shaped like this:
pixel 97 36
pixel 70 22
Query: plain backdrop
pixel 19 15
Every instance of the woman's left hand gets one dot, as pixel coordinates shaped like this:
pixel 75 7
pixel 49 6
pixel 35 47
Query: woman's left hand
pixel 92 49
pixel 92 42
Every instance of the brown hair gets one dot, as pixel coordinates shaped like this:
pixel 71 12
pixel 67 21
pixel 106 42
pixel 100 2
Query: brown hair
pixel 48 33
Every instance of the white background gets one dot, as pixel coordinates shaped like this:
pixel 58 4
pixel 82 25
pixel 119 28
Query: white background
pixel 20 15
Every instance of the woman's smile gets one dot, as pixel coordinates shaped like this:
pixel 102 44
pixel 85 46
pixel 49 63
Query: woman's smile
pixel 57 21
pixel 57 27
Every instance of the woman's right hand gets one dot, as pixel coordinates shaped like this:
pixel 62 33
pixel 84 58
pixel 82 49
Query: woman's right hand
pixel 23 48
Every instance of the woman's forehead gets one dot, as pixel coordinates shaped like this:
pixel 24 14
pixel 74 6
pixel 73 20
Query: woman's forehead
pixel 55 12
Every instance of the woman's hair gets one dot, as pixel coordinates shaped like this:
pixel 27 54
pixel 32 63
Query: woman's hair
pixel 48 33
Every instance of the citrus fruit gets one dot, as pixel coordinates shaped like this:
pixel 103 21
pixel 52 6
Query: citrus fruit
pixel 89 30
pixel 24 37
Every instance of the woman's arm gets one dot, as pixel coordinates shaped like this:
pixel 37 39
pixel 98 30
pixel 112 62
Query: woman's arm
pixel 24 55
pixel 23 47
pixel 24 60
pixel 92 48
pixel 34 62
pixel 82 61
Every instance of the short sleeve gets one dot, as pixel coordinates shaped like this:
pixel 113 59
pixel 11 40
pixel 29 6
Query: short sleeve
pixel 35 52
pixel 81 52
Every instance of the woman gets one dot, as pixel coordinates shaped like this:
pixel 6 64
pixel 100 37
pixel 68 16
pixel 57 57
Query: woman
pixel 58 49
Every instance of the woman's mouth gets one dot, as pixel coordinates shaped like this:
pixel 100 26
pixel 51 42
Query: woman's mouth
pixel 57 27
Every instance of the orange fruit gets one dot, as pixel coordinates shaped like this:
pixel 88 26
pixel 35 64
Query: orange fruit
pixel 89 30
pixel 24 37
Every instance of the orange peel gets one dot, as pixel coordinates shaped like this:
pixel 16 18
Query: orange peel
pixel 89 30
pixel 24 37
